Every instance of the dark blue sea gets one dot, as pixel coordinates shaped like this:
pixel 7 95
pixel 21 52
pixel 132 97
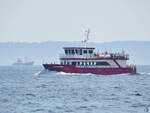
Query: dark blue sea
pixel 34 90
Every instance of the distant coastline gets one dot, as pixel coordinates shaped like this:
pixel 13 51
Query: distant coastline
pixel 48 51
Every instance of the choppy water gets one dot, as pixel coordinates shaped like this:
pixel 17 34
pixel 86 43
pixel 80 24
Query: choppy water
pixel 30 90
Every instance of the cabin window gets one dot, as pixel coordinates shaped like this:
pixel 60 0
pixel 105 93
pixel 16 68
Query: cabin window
pixel 82 63
pixel 102 63
pixel 61 63
pixel 80 51
pixel 74 63
pixel 89 63
pixel 69 51
pixel 85 63
pixel 78 63
pixel 72 51
pixel 66 51
pixel 92 63
pixel 76 51
pixel 90 51
pixel 85 51
pixel 68 63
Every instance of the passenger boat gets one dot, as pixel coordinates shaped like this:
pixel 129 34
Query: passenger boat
pixel 23 62
pixel 84 60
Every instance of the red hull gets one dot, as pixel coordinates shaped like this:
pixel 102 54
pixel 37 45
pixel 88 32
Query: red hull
pixel 100 71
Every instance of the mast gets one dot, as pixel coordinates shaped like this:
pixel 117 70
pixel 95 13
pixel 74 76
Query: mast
pixel 85 41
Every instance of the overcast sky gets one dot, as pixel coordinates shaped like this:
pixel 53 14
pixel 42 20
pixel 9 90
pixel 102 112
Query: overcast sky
pixel 66 20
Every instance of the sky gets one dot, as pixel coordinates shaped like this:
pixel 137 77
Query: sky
pixel 66 20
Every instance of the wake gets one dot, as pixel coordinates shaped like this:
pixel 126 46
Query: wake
pixel 143 73
pixel 63 73
pixel 87 74
pixel 42 72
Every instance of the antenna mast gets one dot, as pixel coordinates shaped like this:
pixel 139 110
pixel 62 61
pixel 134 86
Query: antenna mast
pixel 85 41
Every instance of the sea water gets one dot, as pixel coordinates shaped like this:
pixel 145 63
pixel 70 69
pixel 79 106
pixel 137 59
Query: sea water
pixel 33 90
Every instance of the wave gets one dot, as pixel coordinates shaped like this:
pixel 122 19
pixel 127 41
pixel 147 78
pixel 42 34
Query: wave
pixel 37 73
pixel 60 73
pixel 42 72
pixel 64 73
pixel 143 73
pixel 140 73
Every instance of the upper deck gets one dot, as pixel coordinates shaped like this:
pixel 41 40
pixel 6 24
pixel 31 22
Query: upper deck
pixel 88 53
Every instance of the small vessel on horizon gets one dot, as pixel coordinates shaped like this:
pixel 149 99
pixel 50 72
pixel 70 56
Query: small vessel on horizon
pixel 23 62
pixel 84 60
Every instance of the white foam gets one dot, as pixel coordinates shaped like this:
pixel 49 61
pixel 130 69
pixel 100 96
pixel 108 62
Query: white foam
pixel 63 73
pixel 37 73
pixel 125 74
pixel 41 72
pixel 142 73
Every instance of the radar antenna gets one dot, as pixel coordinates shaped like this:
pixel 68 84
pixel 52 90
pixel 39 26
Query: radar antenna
pixel 87 33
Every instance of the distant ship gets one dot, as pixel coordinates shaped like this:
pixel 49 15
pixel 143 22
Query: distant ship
pixel 23 62
pixel 84 60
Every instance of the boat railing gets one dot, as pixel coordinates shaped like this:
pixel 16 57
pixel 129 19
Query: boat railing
pixel 97 55
pixel 131 66
pixel 112 55
pixel 76 56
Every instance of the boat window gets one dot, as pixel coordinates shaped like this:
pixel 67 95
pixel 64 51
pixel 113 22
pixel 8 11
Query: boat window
pixel 102 63
pixel 78 63
pixel 74 63
pixel 66 51
pixel 82 63
pixel 85 51
pixel 85 63
pixel 68 63
pixel 90 51
pixel 72 51
pixel 92 63
pixel 69 51
pixel 80 51
pixel 76 51
pixel 89 63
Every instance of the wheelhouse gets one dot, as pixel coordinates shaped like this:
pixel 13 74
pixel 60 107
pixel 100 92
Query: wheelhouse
pixel 78 51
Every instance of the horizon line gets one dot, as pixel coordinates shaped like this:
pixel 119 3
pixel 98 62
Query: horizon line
pixel 75 41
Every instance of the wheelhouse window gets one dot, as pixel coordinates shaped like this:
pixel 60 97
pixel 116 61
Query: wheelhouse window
pixel 76 51
pixel 85 51
pixel 66 51
pixel 80 51
pixel 90 51
pixel 72 51
pixel 69 51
